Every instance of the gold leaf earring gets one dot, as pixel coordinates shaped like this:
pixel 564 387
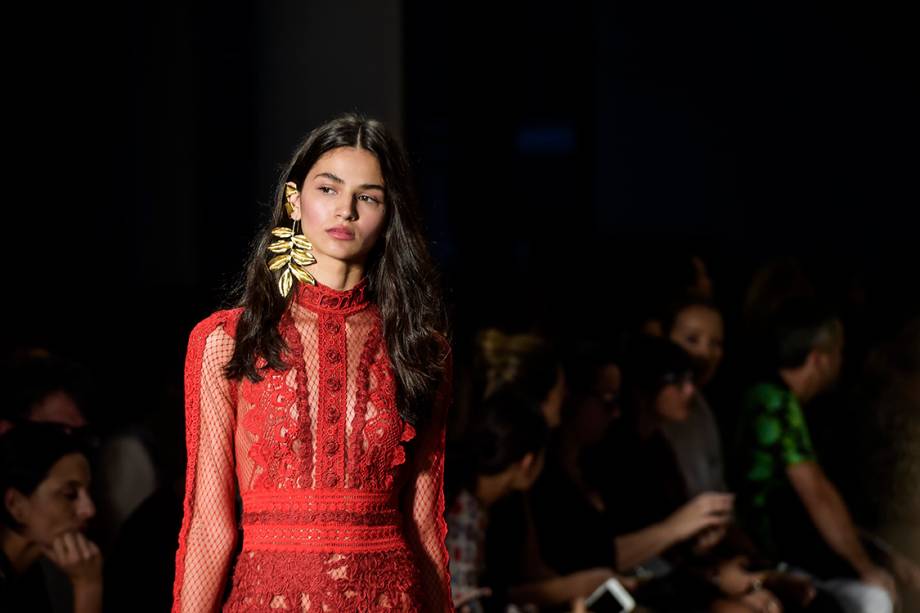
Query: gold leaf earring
pixel 293 249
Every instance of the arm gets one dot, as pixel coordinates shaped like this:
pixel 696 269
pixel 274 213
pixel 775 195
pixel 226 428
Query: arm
pixel 560 590
pixel 426 527
pixel 208 534
pixel 829 514
pixel 639 547
pixel 708 510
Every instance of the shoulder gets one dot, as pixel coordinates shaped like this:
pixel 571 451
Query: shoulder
pixel 225 320
pixel 213 337
pixel 770 397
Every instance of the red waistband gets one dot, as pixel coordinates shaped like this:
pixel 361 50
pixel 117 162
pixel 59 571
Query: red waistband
pixel 321 520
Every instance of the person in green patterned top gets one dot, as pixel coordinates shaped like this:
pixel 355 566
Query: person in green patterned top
pixel 785 500
pixel 779 439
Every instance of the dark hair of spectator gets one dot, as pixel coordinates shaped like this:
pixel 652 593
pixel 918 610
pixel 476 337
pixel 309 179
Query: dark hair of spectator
pixel 508 427
pixel 27 453
pixel 651 363
pixel 799 327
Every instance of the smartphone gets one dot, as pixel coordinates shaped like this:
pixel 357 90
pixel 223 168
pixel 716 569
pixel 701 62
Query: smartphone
pixel 610 597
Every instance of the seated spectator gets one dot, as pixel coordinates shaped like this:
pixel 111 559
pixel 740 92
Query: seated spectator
pixel 42 388
pixel 696 325
pixel 705 562
pixel 45 388
pixel 501 453
pixel 530 366
pixel 571 519
pixel 526 361
pixel 44 481
pixel 786 501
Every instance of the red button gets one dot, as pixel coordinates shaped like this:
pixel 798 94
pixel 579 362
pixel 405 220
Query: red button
pixel 332 327
pixel 333 384
pixel 331 480
pixel 333 356
pixel 331 447
pixel 332 415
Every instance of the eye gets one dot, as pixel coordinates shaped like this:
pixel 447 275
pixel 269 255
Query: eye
pixel 326 189
pixel 69 493
pixel 368 198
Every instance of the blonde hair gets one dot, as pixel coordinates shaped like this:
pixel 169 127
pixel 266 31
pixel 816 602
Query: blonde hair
pixel 514 359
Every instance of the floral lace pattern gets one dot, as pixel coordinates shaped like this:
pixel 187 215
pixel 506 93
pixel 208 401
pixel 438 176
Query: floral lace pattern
pixel 334 518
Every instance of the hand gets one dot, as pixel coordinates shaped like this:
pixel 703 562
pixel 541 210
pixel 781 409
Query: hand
pixel 77 557
pixel 708 538
pixel 879 577
pixel 762 601
pixel 707 510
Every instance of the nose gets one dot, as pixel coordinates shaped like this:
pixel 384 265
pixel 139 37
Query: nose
pixel 85 507
pixel 347 209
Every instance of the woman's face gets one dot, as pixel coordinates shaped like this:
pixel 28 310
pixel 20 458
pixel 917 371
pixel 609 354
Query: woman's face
pixel 341 205
pixel 60 504
pixel 699 330
pixel 673 400
pixel 601 407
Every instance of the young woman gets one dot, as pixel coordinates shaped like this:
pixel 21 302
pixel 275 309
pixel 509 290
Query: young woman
pixel 44 481
pixel 321 400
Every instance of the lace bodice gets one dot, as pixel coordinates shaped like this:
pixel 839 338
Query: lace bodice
pixel 334 517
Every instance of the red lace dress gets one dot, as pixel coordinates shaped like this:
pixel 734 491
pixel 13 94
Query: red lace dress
pixel 336 515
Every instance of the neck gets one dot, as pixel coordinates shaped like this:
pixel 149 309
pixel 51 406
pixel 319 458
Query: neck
pixel 336 274
pixel 20 551
pixel 570 445
pixel 491 488
pixel 799 382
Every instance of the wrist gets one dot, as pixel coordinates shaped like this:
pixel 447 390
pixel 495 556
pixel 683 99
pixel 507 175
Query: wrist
pixel 86 584
pixel 670 531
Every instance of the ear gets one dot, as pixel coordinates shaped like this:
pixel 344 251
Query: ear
pixel 292 193
pixel 16 504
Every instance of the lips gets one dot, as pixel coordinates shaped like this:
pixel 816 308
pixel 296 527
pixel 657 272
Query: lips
pixel 341 233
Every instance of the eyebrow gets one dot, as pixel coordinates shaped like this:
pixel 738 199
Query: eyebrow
pixel 340 181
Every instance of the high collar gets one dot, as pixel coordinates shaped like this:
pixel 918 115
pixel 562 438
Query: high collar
pixel 323 299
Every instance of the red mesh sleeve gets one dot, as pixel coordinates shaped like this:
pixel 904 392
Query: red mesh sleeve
pixel 427 529
pixel 208 534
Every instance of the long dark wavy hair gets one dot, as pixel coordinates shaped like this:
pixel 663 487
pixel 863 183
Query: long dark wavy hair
pixel 400 274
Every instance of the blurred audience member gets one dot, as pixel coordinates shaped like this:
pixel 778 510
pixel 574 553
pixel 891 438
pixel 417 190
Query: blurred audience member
pixel 696 325
pixel 787 503
pixel 501 453
pixel 44 481
pixel 526 361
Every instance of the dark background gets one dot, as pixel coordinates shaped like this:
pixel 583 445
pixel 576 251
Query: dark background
pixel 565 153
